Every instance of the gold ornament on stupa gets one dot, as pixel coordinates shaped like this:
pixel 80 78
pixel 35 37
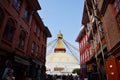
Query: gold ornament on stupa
pixel 59 45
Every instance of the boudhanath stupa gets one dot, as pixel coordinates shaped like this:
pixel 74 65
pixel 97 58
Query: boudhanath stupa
pixel 59 62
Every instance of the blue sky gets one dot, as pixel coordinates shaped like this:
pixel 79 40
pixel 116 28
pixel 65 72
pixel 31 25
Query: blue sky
pixel 64 16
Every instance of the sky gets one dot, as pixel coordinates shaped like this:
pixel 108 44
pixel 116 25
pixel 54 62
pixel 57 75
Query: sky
pixel 64 16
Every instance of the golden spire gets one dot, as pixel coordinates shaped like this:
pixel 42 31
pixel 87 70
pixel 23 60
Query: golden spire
pixel 59 45
pixel 60 36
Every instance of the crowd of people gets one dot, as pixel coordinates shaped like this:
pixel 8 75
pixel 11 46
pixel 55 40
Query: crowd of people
pixel 8 74
pixel 62 77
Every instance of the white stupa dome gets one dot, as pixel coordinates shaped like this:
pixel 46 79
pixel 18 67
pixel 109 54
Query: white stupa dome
pixel 61 58
pixel 60 62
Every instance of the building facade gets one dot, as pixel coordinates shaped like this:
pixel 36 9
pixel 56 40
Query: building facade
pixel 23 38
pixel 84 47
pixel 87 44
pixel 110 10
pixel 104 38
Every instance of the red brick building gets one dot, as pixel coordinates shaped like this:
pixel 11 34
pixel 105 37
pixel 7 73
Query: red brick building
pixel 23 38
pixel 84 47
pixel 104 38
pixel 110 11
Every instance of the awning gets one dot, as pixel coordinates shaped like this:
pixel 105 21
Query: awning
pixel 21 60
pixel 38 62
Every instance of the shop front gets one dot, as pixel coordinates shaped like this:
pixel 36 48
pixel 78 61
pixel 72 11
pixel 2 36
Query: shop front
pixel 21 68
pixel 83 72
pixel 92 72
pixel 35 71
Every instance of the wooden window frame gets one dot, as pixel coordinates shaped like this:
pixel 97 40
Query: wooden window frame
pixel 1 15
pixel 37 50
pixel 116 5
pixel 22 38
pixel 26 15
pixel 9 30
pixel 17 4
pixel 33 47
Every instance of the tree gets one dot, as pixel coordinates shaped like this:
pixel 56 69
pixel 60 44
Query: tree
pixel 76 70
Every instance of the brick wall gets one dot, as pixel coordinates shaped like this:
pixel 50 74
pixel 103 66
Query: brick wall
pixel 112 32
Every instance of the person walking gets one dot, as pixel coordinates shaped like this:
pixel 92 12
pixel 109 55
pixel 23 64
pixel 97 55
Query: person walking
pixel 8 75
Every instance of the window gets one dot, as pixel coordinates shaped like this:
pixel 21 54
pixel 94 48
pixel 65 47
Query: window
pixel 26 14
pixel 83 57
pixel 39 33
pixel 117 10
pixel 117 5
pixel 42 51
pixel 1 15
pixel 37 50
pixel 87 53
pixel 80 58
pixel 22 37
pixel 33 47
pixel 118 19
pixel 17 4
pixel 35 29
pixel 42 35
pixel 84 41
pixel 9 30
